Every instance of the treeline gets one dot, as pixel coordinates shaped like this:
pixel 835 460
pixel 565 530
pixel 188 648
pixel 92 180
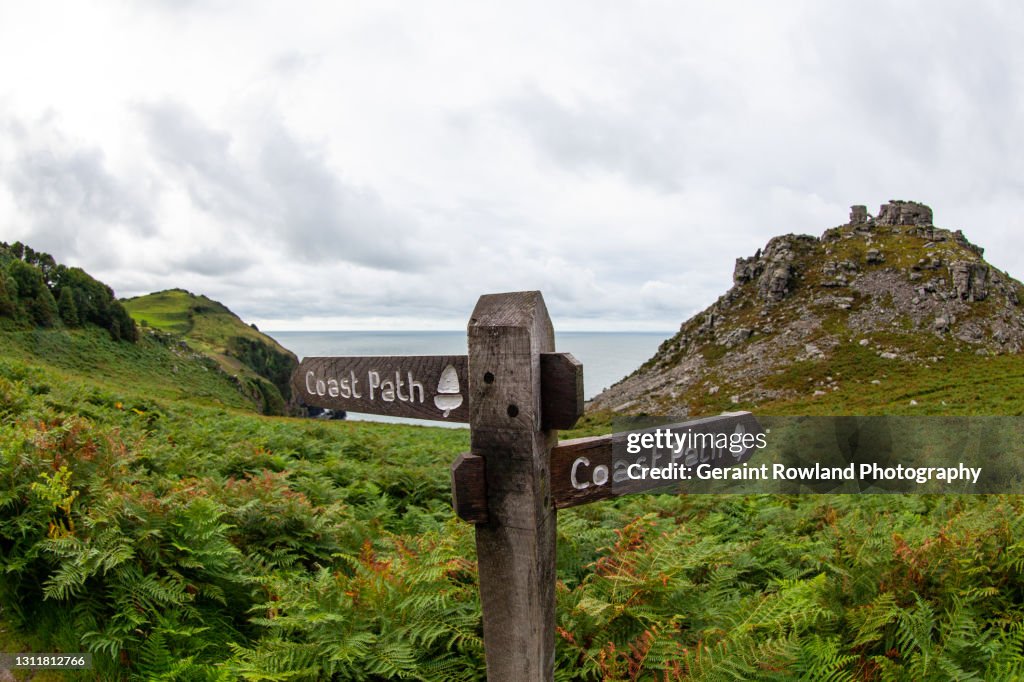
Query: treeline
pixel 36 291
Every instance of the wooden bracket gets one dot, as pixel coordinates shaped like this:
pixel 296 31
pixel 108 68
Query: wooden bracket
pixel 561 390
pixel 469 488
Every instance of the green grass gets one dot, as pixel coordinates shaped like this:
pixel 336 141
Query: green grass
pixel 207 324
pixel 12 642
pixel 153 368
pixel 961 383
pixel 170 311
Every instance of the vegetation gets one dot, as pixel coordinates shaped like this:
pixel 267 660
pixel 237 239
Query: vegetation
pixel 263 366
pixel 156 365
pixel 942 377
pixel 37 295
pixel 177 540
pixel 148 516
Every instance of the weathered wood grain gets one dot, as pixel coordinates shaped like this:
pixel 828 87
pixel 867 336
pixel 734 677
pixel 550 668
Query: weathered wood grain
pixel 516 546
pixel 398 386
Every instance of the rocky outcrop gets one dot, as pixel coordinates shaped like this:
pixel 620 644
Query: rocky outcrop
pixel 858 215
pixel 970 280
pixel 838 273
pixel 771 268
pixel 773 285
pixel 898 212
pixel 802 299
pixel 934 235
pixel 747 269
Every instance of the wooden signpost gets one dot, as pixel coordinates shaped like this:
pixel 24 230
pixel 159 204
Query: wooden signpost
pixel 515 392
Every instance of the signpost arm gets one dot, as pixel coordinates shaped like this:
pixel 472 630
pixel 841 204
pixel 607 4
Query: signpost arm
pixel 516 545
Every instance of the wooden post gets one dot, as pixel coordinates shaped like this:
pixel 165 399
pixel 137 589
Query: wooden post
pixel 516 545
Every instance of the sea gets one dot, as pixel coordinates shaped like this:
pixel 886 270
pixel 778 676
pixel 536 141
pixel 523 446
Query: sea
pixel 607 357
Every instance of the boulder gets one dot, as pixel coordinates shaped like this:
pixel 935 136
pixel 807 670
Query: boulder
pixel 736 337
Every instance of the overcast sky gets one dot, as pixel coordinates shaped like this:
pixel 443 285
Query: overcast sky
pixel 380 165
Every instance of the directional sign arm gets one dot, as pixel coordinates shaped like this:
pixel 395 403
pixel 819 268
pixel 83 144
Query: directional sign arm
pixel 574 464
pixel 416 386
pixel 427 386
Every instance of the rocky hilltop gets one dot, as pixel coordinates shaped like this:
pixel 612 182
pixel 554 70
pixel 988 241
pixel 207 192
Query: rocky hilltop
pixel 852 310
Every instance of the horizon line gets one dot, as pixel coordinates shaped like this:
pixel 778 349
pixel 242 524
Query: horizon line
pixel 460 331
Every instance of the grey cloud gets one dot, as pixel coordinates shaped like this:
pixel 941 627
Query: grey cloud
pixel 187 7
pixel 327 218
pixel 67 192
pixel 213 263
pixel 668 136
pixel 293 62
pixel 935 86
pixel 201 159
pixel 333 300
pixel 874 98
pixel 588 138
pixel 284 191
pixel 890 74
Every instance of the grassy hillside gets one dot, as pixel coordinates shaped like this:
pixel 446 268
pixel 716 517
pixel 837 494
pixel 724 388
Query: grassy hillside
pixel 55 313
pixel 857 380
pixel 155 366
pixel 209 327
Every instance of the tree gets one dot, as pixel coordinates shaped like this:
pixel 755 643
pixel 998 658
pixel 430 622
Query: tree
pixel 67 308
pixel 122 326
pixel 8 299
pixel 34 277
pixel 33 294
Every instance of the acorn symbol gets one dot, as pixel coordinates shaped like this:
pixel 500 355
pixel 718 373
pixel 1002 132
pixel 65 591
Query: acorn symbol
pixel 448 397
